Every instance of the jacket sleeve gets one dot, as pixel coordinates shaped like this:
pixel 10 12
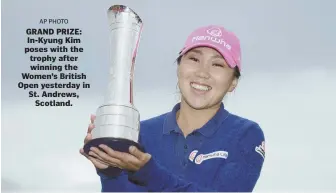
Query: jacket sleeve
pixel 241 174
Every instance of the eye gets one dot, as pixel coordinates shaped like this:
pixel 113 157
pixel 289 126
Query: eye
pixel 219 65
pixel 194 59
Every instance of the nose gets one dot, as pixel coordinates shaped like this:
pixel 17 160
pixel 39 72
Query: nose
pixel 203 72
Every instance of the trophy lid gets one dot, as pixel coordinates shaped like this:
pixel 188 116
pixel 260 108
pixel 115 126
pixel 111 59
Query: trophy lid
pixel 123 9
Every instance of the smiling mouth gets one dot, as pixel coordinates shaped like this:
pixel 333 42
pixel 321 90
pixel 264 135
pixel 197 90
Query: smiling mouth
pixel 200 87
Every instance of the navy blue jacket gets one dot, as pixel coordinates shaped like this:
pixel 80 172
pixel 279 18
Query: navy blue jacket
pixel 226 154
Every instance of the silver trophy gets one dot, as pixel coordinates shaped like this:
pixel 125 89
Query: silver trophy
pixel 117 121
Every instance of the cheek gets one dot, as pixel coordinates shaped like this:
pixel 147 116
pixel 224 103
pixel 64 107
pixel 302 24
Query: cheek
pixel 184 73
pixel 223 81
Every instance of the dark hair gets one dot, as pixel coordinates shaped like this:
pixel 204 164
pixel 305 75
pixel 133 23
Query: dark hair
pixel 236 69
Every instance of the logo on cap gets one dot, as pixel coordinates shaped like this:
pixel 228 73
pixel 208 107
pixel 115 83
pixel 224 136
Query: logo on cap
pixel 214 31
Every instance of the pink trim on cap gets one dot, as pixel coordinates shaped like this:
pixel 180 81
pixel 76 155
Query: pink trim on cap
pixel 218 38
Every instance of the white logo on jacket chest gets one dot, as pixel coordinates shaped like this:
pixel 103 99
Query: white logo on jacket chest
pixel 202 157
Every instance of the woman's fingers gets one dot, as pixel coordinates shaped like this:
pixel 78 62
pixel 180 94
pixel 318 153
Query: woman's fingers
pixel 90 127
pixel 87 138
pixel 92 118
pixel 81 151
pixel 95 155
pixel 97 163
pixel 106 157
pixel 123 160
pixel 89 130
pixel 98 158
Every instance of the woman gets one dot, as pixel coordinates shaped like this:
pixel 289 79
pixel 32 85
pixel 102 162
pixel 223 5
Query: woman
pixel 199 145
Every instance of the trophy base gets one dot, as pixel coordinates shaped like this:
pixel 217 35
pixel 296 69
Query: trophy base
pixel 117 144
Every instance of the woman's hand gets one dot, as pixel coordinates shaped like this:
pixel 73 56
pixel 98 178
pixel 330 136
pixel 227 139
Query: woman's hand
pixel 96 162
pixel 132 161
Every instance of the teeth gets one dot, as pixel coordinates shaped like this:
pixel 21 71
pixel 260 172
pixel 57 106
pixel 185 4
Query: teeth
pixel 200 87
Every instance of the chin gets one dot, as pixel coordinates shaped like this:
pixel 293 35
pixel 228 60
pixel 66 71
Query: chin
pixel 197 104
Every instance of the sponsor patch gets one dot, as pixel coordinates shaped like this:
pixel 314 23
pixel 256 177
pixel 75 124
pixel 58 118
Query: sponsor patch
pixel 261 149
pixel 192 155
pixel 217 154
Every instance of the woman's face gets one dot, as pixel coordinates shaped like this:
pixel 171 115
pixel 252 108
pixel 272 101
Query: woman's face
pixel 204 78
